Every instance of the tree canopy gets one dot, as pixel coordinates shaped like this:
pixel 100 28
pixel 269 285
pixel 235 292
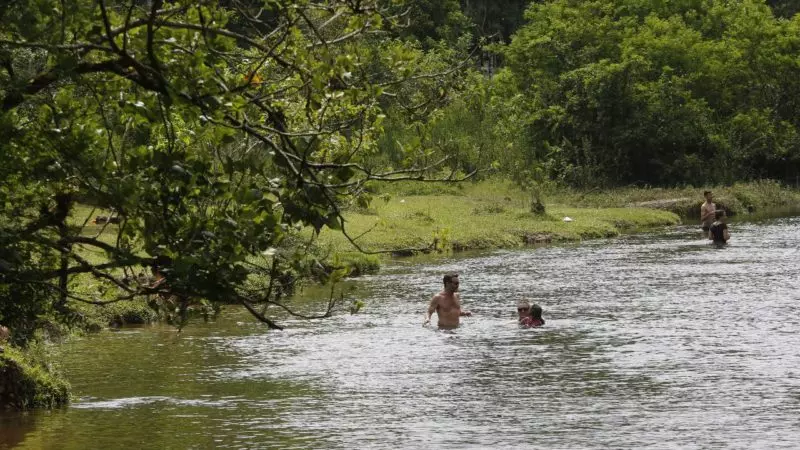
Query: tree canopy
pixel 657 92
pixel 212 130
pixel 218 133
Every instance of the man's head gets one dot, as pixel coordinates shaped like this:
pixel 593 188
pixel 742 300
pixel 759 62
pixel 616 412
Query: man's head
pixel 708 195
pixel 450 282
pixel 536 311
pixel 523 308
pixel 720 215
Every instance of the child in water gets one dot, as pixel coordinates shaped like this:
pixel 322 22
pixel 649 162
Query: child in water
pixel 719 229
pixel 529 315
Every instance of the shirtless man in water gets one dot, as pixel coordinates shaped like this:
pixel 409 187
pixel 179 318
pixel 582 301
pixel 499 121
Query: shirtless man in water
pixel 707 210
pixel 447 304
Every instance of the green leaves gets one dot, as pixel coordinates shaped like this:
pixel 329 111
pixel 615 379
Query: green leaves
pixel 634 91
pixel 211 130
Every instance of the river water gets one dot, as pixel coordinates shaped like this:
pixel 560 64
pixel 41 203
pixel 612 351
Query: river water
pixel 654 340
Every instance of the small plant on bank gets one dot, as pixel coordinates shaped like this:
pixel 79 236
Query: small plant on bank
pixel 441 240
pixel 533 180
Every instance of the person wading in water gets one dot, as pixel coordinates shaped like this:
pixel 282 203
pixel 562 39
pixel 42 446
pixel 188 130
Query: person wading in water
pixel 707 210
pixel 719 229
pixel 447 304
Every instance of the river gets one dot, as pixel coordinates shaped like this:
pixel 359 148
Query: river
pixel 652 340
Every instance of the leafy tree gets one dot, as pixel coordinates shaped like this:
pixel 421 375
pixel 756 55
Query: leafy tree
pixel 432 21
pixel 645 91
pixel 497 18
pixel 784 8
pixel 212 130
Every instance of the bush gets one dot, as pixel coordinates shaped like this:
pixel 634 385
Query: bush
pixel 360 264
pixel 135 311
pixel 26 383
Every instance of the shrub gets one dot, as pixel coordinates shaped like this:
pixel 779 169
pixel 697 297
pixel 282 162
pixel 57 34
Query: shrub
pixel 26 383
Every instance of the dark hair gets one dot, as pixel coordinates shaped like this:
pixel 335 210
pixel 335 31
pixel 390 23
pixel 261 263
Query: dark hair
pixel 705 193
pixel 449 277
pixel 536 312
pixel 719 213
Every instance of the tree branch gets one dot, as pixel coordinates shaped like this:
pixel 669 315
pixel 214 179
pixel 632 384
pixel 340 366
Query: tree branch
pixel 272 325
pixel 44 80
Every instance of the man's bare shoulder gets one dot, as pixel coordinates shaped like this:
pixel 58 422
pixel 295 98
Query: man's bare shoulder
pixel 437 297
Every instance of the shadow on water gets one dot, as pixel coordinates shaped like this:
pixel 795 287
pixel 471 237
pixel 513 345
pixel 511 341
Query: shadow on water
pixel 652 340
pixel 14 427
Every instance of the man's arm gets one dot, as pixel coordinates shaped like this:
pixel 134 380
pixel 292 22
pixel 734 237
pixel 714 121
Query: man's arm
pixel 431 309
pixel 725 233
pixel 462 312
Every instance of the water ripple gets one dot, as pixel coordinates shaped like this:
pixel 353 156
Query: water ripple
pixel 655 340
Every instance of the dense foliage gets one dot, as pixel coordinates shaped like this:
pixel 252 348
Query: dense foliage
pixel 215 131
pixel 622 92
pixel 212 132
pixel 639 91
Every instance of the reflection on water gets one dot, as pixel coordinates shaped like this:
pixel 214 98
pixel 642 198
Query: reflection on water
pixel 14 428
pixel 651 340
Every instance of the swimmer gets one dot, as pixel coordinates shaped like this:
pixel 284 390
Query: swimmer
pixel 447 304
pixel 719 229
pixel 529 316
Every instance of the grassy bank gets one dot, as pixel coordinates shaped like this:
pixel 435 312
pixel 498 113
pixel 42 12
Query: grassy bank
pixel 738 199
pixel 496 214
pixel 27 382
pixel 483 215
pixel 94 317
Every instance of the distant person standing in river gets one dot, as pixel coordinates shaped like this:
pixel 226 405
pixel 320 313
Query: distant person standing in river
pixel 447 304
pixel 529 315
pixel 719 229
pixel 707 210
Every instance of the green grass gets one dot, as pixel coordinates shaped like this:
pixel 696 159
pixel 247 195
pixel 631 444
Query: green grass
pixel 26 382
pixel 740 198
pixel 495 213
pixel 483 215
pixel 133 311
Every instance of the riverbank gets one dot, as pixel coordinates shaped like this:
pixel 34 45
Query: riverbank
pixel 413 217
pixel 28 382
pixel 738 199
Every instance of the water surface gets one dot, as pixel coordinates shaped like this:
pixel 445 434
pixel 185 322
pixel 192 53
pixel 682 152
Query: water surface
pixel 655 340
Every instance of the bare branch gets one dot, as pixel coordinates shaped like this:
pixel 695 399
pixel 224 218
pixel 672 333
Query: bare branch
pixel 44 80
pixel 127 26
pixel 107 26
pixel 326 314
pixel 272 325
pixel 463 63
pixel 78 269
